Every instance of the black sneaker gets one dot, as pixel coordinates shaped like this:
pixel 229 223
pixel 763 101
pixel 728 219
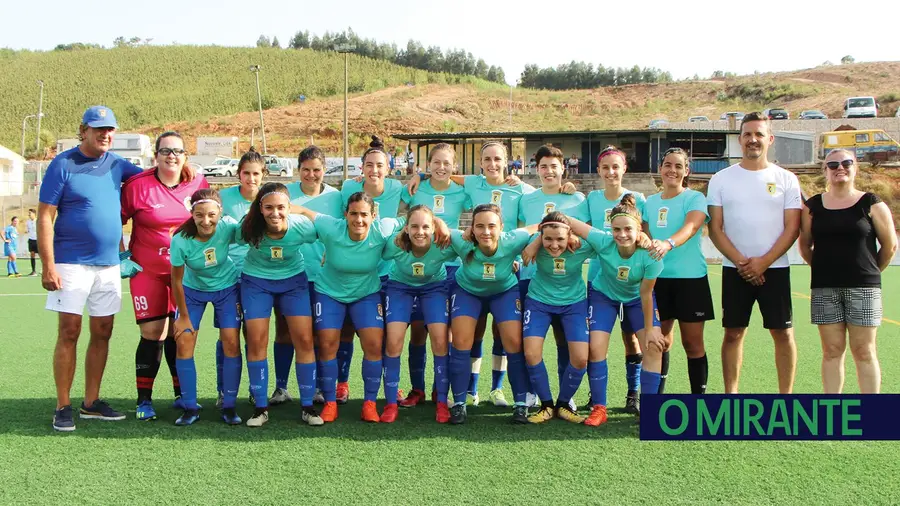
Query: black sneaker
pixel 100 410
pixel 520 414
pixel 633 404
pixel 63 420
pixel 458 414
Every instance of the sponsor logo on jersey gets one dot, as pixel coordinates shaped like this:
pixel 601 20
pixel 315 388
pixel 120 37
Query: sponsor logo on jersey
pixel 559 266
pixel 489 271
pixel 438 207
pixel 418 269
pixel 622 274
pixel 662 218
pixel 496 197
pixel 276 253
pixel 209 255
pixel 549 207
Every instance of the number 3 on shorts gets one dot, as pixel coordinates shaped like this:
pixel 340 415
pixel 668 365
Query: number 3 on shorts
pixel 140 303
pixel 527 317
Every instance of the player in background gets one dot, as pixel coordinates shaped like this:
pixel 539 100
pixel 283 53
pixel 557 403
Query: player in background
pixel 202 273
pixel 31 231
pixel 10 243
pixel 157 201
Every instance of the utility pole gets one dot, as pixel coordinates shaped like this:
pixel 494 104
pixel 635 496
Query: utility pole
pixel 346 49
pixel 262 125
pixel 24 121
pixel 37 141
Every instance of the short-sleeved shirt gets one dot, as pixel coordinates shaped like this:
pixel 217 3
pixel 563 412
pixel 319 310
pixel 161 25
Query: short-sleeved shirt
pixel 753 204
pixel 417 271
pixel 505 196
pixel 12 235
pixel 620 278
pixel 596 209
pixel 447 204
pixel 350 271
pixel 208 266
pixel 86 192
pixel 535 205
pixel 558 281
pixel 667 216
pixel 236 206
pixel 279 258
pixel 31 229
pixel 327 202
pixel 484 275
pixel 386 205
pixel 155 211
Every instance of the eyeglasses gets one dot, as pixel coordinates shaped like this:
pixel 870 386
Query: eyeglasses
pixel 847 163
pixel 170 151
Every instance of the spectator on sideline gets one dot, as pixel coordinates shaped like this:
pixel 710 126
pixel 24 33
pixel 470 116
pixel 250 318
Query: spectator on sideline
pixel 838 231
pixel 572 166
pixel 410 161
pixel 31 230
pixel 754 210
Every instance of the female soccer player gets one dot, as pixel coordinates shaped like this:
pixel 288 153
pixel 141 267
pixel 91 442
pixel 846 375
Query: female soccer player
pixel 10 242
pixel 596 209
pixel 274 277
pixel 626 279
pixel 418 274
pixel 676 216
pixel 203 273
pixel 156 201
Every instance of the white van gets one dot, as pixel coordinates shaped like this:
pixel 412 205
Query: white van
pixel 860 107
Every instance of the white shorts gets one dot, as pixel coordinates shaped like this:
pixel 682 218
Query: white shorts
pixel 98 286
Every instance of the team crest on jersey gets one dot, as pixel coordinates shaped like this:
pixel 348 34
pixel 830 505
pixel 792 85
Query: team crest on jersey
pixel 489 271
pixel 496 197
pixel 209 255
pixel 606 215
pixel 559 266
pixel 622 274
pixel 549 207
pixel 438 207
pixel 187 203
pixel 662 218
pixel 276 253
pixel 375 211
pixel 770 188
pixel 418 269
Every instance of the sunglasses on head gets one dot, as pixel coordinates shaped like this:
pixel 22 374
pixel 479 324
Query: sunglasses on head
pixel 847 163
pixel 170 151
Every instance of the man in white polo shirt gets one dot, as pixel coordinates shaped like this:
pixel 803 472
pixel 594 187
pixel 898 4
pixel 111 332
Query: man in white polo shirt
pixel 754 218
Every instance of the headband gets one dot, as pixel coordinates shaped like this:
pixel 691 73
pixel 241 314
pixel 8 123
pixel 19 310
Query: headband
pixel 205 201
pixel 267 194
pixel 557 223
pixel 624 214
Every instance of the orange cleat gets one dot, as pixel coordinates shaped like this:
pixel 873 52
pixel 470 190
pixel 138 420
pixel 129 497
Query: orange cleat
pixel 342 393
pixel 597 416
pixel 389 415
pixel 414 398
pixel 442 415
pixel 329 412
pixel 370 412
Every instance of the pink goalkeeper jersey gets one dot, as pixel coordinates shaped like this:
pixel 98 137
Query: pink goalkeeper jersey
pixel 156 211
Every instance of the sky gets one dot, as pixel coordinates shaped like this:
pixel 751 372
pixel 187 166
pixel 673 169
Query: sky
pixel 686 38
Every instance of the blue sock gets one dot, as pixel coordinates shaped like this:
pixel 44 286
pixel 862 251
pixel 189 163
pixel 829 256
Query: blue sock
pixel 391 378
pixel 15 268
pixel 441 377
pixel 231 380
pixel 306 381
pixel 518 376
pixel 633 371
pixel 562 362
pixel 371 373
pixel 650 382
pixel 328 379
pixel 570 383
pixel 259 381
pixel 598 377
pixel 344 358
pixel 9 268
pixel 460 368
pixel 497 376
pixel 540 381
pixel 220 360
pixel 475 354
pixel 417 359
pixel 187 377
pixel 284 355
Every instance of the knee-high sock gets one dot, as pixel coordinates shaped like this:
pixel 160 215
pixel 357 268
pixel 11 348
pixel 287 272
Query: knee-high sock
pixel 698 374
pixel 417 359
pixel 497 374
pixel 344 358
pixel 664 372
pixel 633 372
pixel 9 267
pixel 33 269
pixel 258 372
pixel 231 380
pixel 460 370
pixel 598 377
pixel 391 378
pixel 649 382
pixel 146 364
pixel 371 373
pixel 441 377
pixel 220 364
pixel 306 381
pixel 187 377
pixel 570 383
pixel 329 379
pixel 518 376
pixel 171 351
pixel 540 382
pixel 475 365
pixel 284 355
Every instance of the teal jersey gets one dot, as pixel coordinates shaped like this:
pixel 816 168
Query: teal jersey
pixel 620 278
pixel 558 281
pixel 484 275
pixel 505 196
pixel 535 205
pixel 596 209
pixel 328 202
pixel 280 258
pixel 447 204
pixel 235 206
pixel 417 271
pixel 208 268
pixel 350 271
pixel 665 217
pixel 386 206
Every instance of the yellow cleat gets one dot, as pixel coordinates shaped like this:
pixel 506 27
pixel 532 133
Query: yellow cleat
pixel 564 413
pixel 544 415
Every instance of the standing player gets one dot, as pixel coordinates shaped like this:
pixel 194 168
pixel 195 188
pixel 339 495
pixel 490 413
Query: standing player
pixel 10 243
pixel 157 202
pixel 754 218
pixel 31 230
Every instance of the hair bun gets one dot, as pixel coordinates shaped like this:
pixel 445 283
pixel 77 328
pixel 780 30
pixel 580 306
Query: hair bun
pixel 376 143
pixel 628 200
pixel 251 150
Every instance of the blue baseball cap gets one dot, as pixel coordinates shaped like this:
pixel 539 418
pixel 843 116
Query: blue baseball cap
pixel 99 116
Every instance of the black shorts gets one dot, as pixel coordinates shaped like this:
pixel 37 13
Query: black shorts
pixel 32 246
pixel 774 298
pixel 684 299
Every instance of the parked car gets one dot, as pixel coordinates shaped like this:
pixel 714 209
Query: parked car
pixel 278 166
pixel 352 170
pixel 738 116
pixel 860 107
pixel 813 114
pixel 776 113
pixel 697 119
pixel 658 123
pixel 868 145
pixel 223 167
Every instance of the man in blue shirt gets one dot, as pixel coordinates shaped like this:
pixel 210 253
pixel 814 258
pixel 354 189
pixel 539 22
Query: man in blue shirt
pixel 80 257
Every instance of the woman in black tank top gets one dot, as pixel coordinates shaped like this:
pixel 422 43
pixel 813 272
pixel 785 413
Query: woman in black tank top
pixel 840 232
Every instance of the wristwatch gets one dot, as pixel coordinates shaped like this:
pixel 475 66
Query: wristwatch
pixel 671 242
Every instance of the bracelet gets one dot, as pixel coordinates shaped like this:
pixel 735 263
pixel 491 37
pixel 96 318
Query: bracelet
pixel 671 242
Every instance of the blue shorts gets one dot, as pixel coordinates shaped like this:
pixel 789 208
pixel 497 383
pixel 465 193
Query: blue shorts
pixel 364 313
pixel 8 249
pixel 225 302
pixel 538 316
pixel 290 296
pixel 504 306
pixel 401 300
pixel 603 311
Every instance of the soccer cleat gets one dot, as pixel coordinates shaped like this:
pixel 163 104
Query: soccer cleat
pixel 414 398
pixel 458 414
pixel 633 404
pixel 543 415
pixel 179 404
pixel 318 398
pixel 100 410
pixel 520 414
pixel 532 400
pixel 473 399
pixel 572 406
pixel 342 393
pixel 219 400
pixel 369 412
pixel 251 399
pixel 32 275
pixel 230 416
pixel 188 417
pixel 566 413
pixel 329 412
pixel 145 411
pixel 442 413
pixel 63 420
pixel 259 418
pixel 389 415
pixel 280 396
pixel 498 399
pixel 597 417
pixel 310 416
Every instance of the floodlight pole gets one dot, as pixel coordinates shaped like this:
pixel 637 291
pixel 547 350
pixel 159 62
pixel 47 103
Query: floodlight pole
pixel 346 49
pixel 262 125
pixel 37 141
